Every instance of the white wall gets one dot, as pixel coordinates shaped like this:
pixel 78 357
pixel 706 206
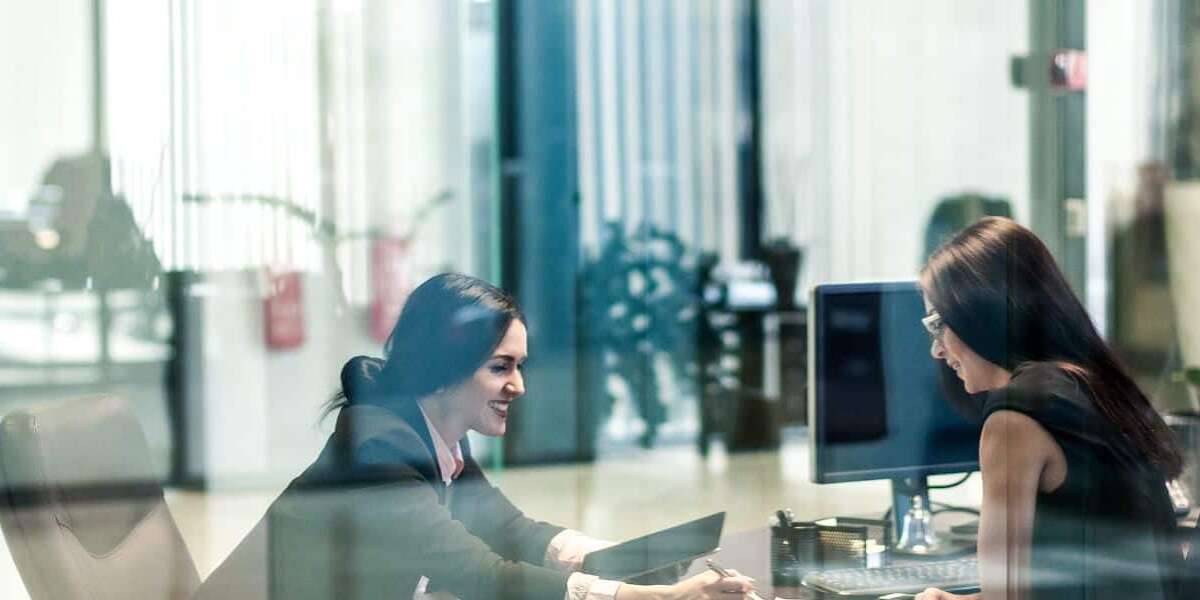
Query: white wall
pixel 46 105
pixel 415 134
pixel 397 142
pixel 896 105
pixel 1126 93
pixel 876 109
pixel 253 412
pixel 1122 80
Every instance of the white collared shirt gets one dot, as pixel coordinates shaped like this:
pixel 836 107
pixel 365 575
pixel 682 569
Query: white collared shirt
pixel 448 458
pixel 565 551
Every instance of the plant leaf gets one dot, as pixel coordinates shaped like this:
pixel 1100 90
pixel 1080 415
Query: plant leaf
pixel 1192 374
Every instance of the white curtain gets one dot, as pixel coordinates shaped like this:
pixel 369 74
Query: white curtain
pixel 657 94
pixel 214 129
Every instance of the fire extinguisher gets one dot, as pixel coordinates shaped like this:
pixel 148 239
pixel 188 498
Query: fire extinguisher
pixel 390 284
pixel 283 311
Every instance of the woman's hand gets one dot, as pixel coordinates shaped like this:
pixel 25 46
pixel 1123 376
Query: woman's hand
pixel 936 594
pixel 667 575
pixel 711 586
pixel 705 586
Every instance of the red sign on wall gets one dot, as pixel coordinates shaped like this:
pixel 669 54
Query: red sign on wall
pixel 390 284
pixel 283 311
pixel 1068 70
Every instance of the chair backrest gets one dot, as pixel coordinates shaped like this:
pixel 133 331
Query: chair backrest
pixel 82 511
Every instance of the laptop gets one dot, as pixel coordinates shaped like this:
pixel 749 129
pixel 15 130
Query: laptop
pixel 684 542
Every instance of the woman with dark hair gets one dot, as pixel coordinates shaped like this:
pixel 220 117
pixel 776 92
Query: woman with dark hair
pixel 396 507
pixel 1073 457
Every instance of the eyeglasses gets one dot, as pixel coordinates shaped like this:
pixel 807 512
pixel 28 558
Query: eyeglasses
pixel 934 325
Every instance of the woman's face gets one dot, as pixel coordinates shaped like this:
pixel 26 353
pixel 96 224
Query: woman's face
pixel 485 399
pixel 977 373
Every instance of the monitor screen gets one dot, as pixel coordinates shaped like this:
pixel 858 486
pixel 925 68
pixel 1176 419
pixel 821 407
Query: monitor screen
pixel 877 410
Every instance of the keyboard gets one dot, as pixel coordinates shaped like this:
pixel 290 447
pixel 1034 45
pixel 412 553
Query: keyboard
pixel 949 575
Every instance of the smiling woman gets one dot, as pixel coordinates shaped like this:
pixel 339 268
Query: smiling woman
pixel 481 403
pixel 456 337
pixel 977 373
pixel 395 506
pixel 1074 460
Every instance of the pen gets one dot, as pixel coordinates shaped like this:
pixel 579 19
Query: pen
pixel 719 570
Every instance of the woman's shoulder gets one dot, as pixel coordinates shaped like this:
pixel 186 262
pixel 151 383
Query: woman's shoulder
pixel 366 428
pixel 371 442
pixel 1036 388
pixel 1047 377
pixel 1051 393
pixel 1015 438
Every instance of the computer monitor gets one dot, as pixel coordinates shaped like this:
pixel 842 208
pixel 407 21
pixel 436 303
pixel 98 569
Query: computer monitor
pixel 876 407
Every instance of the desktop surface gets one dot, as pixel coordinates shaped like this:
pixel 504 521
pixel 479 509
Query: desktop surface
pixel 748 552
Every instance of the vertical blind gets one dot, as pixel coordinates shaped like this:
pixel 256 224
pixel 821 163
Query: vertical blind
pixel 214 129
pixel 659 124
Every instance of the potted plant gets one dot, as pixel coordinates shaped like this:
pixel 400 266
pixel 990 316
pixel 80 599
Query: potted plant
pixel 783 260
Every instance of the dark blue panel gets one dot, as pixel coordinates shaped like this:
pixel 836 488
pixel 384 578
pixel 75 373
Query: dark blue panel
pixel 539 195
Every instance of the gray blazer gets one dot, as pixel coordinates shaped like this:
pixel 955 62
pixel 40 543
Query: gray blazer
pixel 371 516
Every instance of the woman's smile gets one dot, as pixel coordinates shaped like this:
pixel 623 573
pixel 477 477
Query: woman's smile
pixel 500 407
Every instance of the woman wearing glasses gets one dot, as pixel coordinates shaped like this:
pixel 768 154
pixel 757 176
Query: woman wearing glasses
pixel 396 507
pixel 1073 457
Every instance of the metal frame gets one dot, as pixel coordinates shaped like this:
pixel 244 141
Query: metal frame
pixel 1057 138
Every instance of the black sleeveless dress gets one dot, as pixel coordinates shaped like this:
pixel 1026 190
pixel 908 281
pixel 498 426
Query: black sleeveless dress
pixel 1107 531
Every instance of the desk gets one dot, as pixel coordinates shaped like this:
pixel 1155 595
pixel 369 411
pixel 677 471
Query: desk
pixel 748 553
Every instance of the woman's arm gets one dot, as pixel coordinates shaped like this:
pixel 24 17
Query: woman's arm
pixel 569 548
pixel 1017 457
pixel 392 527
pixel 488 514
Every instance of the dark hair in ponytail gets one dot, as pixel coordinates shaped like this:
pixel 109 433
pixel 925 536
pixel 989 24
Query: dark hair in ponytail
pixel 448 327
pixel 997 287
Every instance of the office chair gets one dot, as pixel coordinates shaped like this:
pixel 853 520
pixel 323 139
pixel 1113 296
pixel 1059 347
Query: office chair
pixel 81 509
pixel 956 212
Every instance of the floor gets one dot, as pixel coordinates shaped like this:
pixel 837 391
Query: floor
pixel 615 498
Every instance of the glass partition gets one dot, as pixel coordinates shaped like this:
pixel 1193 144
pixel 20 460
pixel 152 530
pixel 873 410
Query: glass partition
pixel 217 217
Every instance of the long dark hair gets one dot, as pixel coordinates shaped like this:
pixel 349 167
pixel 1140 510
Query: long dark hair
pixel 448 327
pixel 997 287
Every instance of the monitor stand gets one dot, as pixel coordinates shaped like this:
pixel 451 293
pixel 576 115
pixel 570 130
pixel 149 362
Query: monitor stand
pixel 903 490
